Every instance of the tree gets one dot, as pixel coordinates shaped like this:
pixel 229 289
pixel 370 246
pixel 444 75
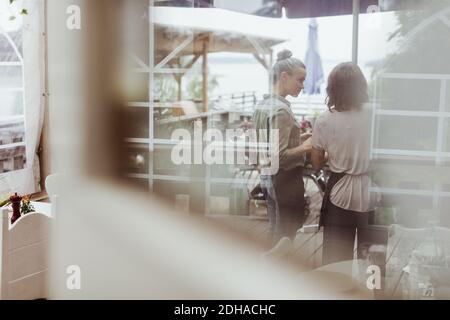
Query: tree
pixel 194 87
pixel 427 50
pixel 166 88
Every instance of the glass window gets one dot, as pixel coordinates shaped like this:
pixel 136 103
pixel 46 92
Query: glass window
pixel 12 113
pixel 404 55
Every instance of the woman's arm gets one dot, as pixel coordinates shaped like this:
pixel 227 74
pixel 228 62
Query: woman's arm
pixel 283 123
pixel 318 158
pixel 301 150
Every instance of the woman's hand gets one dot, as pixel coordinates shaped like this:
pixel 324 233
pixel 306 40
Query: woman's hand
pixel 307 145
pixel 304 137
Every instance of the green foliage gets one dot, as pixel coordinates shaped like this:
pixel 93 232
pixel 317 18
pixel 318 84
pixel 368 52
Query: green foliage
pixel 166 88
pixel 26 206
pixel 409 19
pixel 316 113
pixel 194 87
pixel 422 49
pixel 23 11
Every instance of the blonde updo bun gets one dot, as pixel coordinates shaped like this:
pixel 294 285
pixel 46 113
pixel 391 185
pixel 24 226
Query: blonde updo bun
pixel 284 54
pixel 285 63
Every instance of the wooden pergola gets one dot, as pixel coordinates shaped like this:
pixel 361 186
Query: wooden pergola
pixel 172 43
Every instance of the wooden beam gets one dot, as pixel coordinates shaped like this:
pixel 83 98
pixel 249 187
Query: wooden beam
pixel 178 78
pixel 192 62
pixel 205 74
pixel 261 60
pixel 271 57
pixel 175 65
pixel 167 40
pixel 165 48
pixel 175 52
pixel 179 83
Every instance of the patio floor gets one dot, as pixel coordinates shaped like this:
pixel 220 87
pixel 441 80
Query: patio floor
pixel 308 246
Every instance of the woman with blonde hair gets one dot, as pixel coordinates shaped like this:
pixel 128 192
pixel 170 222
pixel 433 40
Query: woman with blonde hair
pixel 283 187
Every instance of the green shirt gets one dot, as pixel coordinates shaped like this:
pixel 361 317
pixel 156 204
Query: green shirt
pixel 274 113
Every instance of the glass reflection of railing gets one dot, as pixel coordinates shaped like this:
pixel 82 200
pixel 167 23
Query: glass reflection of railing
pixel 428 263
pixel 243 101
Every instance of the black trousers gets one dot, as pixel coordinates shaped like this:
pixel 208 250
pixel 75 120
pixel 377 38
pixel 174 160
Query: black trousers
pixel 340 228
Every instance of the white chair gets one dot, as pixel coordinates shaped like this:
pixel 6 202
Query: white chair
pixel 24 256
pixel 53 184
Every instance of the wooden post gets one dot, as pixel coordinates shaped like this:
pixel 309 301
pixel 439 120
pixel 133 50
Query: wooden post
pixel 205 72
pixel 179 82
pixel 268 71
pixel 177 76
pixel 271 58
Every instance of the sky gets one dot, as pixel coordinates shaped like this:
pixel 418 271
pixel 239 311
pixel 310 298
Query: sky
pixel 335 41
pixel 335 33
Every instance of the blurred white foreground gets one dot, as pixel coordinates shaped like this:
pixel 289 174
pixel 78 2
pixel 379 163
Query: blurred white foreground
pixel 130 246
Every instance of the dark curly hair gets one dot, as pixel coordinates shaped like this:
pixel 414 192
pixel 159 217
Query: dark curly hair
pixel 347 88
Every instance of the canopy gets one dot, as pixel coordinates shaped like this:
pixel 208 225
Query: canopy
pixel 177 38
pixel 169 37
pixel 294 8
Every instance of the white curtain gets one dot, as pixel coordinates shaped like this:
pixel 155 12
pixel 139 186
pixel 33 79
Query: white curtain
pixel 27 180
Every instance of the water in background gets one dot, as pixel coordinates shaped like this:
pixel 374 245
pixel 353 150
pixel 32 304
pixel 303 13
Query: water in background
pixel 238 73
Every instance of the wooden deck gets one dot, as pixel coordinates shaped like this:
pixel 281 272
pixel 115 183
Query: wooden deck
pixel 308 247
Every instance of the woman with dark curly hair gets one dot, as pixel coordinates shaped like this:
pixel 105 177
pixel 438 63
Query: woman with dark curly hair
pixel 343 134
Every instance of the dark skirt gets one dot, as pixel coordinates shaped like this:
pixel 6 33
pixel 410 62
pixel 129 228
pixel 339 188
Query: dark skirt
pixel 289 190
